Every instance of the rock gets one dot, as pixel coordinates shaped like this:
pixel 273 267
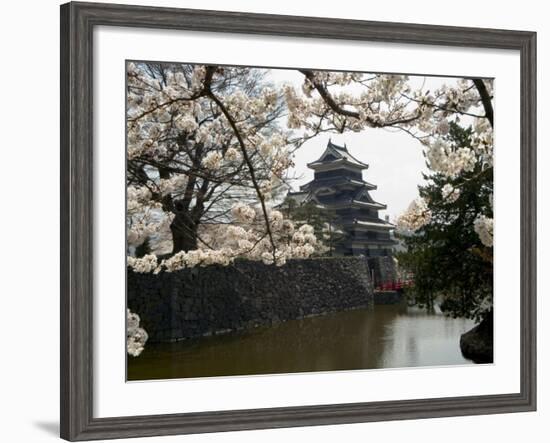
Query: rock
pixel 477 343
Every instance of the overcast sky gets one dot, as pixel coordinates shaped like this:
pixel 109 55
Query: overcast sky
pixel 395 158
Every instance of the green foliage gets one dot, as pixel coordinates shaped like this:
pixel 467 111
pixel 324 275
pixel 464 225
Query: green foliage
pixel 447 258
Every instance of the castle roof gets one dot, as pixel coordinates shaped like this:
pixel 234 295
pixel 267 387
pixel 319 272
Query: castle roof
pixel 339 182
pixel 360 198
pixel 334 155
pixel 374 224
pixel 299 197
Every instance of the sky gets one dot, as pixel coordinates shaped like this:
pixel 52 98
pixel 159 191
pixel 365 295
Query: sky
pixel 395 158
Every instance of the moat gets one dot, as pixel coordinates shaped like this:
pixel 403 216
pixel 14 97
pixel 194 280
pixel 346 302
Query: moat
pixel 392 336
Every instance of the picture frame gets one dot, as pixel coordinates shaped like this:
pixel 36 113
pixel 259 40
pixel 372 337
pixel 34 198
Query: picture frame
pixel 78 21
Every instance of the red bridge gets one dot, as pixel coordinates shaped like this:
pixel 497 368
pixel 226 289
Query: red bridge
pixel 394 285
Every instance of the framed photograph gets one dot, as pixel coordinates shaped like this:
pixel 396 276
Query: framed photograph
pixel 274 221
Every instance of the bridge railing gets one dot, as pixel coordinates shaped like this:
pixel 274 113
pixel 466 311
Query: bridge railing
pixel 394 285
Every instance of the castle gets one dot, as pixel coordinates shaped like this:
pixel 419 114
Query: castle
pixel 338 187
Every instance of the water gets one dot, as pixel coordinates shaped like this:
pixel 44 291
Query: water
pixel 393 336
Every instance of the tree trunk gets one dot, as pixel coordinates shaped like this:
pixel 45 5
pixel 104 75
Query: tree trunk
pixel 184 233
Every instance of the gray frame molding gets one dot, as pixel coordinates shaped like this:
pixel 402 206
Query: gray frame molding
pixel 77 23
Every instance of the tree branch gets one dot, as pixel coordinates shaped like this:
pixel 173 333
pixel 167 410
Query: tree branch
pixel 485 99
pixel 248 162
pixel 331 103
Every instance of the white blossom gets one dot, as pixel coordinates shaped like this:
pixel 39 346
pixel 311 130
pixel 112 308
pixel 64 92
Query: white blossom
pixel 484 228
pixel 212 160
pixel 186 123
pixel 449 193
pixel 231 154
pixel 287 227
pixel 417 215
pixel 197 257
pixel 276 219
pixel 223 243
pixel 243 213
pixel 197 79
pixel 448 161
pixel 145 264
pixel 136 337
pixel 298 238
pixel 310 239
pixel 306 229
pixel 145 222
pixel 172 184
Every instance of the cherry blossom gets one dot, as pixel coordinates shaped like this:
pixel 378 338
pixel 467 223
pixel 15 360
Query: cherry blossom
pixel 484 228
pixel 136 337
pixel 212 160
pixel 449 193
pixel 416 216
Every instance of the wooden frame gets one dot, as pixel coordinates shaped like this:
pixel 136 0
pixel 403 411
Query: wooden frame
pixel 77 23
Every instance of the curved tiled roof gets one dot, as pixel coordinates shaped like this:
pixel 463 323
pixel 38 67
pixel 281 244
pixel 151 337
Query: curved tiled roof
pixel 337 153
pixel 338 181
pixel 376 224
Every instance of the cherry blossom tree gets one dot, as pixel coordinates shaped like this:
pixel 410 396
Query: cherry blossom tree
pixel 206 148
pixel 336 101
pixel 450 254
pixel 205 153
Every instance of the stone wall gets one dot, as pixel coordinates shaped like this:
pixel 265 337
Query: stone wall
pixel 215 299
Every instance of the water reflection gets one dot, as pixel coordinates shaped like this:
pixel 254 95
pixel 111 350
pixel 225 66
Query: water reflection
pixel 383 337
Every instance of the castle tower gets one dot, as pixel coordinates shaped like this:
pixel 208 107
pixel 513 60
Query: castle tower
pixel 338 186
